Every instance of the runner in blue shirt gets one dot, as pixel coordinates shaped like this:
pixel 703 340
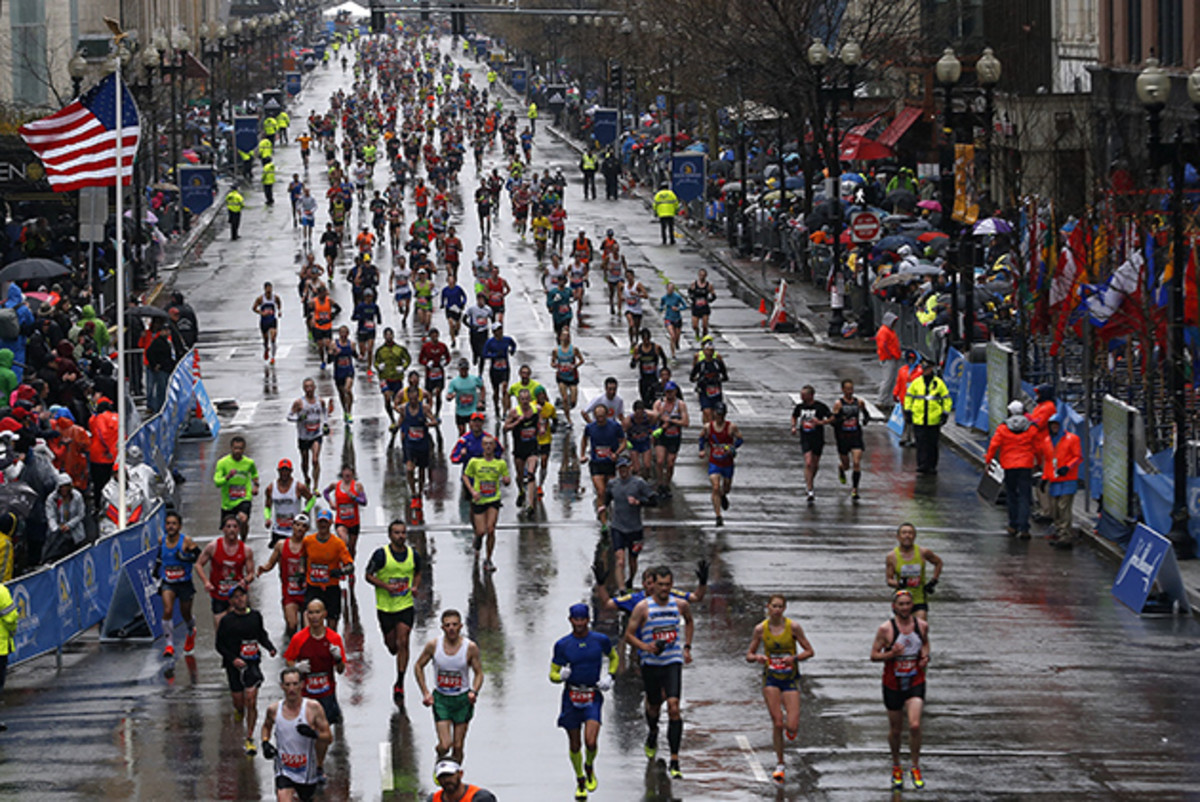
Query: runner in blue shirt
pixel 578 663
pixel 672 305
pixel 603 440
pixel 454 301
pixel 497 350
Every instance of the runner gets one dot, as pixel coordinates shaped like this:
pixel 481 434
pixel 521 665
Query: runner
pixel 282 502
pixel 177 553
pixel 719 441
pixel 809 419
pixel 320 321
pixel 547 413
pixel 238 637
pixel 525 424
pixel 600 446
pixel 614 267
pixel 320 655
pixel 342 355
pixel 708 372
pixel 236 476
pixel 395 572
pixel 902 645
pixel 672 305
pixel 702 294
pixel 497 289
pixel 624 497
pixel 311 416
pixel 483 477
pixel 479 323
pixel 638 428
pixel 400 286
pixel 327 561
pixel 454 300
pixel 578 663
pixel 566 360
pixel 269 308
pixel 905 567
pixel 307 206
pixel 301 733
pixel 368 316
pixel 453 789
pixel 632 295
pixel 496 351
pixel 558 302
pixel 784 647
pixel 423 303
pixel 655 629
pixel 289 556
pixel 348 498
pixel 391 360
pixel 416 420
pixel 468 393
pixel 610 399
pixel 435 356
pixel 849 417
pixel 646 357
pixel 671 414
pixel 458 678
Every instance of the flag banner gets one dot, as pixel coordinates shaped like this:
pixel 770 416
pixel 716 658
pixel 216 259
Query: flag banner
pixel 966 190
pixel 78 144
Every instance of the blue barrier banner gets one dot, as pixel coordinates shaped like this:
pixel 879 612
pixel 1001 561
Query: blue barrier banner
pixel 971 391
pixel 1148 558
pixel 687 176
pixel 952 372
pixel 896 420
pixel 319 50
pixel 481 46
pixel 1095 461
pixel 210 412
pixel 291 83
pixel 197 186
pixel 37 631
pixel 67 605
pixel 604 126
pixel 518 80
pixel 91 574
pixel 245 133
pixel 140 571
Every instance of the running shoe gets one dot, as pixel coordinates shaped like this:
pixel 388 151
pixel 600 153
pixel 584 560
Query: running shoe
pixel 189 645
pixel 580 791
pixel 791 734
pixel 724 501
pixel 812 499
pixel 251 749
pixel 897 778
pixel 917 780
pixel 651 750
pixel 272 360
pixel 521 497
pixel 720 521
pixel 541 491
pixel 321 778
pixel 348 418
pixel 854 493
pixel 237 716
pixel 842 475
pixel 266 355
pixel 675 772
pixel 778 774
pixel 590 773
pixel 398 694
pixel 488 565
pixel 169 651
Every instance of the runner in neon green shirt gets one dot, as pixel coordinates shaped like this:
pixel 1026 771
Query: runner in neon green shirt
pixel 237 478
pixel 483 477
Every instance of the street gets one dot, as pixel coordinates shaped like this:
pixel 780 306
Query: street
pixel 1040 683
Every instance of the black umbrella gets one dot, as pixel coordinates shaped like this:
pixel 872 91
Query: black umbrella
pixel 148 311
pixel 900 200
pixel 34 269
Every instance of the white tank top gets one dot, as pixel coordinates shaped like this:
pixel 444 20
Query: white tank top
pixel 297 758
pixel 308 425
pixel 284 507
pixel 453 670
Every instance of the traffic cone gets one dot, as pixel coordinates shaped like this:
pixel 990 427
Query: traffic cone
pixel 762 306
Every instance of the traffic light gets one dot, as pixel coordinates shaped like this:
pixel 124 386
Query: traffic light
pixel 424 10
pixel 631 83
pixel 458 22
pixel 615 78
pixel 378 20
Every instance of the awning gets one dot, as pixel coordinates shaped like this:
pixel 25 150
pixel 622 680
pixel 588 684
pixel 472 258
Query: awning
pixel 862 128
pixel 903 121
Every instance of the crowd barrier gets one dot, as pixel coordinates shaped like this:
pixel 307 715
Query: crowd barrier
pixel 62 600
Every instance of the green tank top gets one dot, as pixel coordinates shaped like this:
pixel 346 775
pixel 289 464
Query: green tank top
pixel 910 573
pixel 397 596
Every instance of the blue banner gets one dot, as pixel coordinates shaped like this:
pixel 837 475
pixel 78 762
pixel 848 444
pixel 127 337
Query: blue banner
pixel 291 82
pixel 90 574
pixel 518 80
pixel 687 176
pixel 67 603
pixel 210 412
pixel 140 571
pixel 952 371
pixel 245 133
pixel 970 399
pixel 604 127
pixel 37 631
pixel 319 50
pixel 1149 557
pixel 481 46
pixel 660 102
pixel 197 186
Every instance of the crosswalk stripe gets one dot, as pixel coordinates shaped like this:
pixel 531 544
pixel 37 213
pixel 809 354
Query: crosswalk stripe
pixel 734 341
pixel 244 414
pixel 789 341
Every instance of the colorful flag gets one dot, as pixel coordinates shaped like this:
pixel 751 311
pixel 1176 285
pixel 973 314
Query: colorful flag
pixel 78 144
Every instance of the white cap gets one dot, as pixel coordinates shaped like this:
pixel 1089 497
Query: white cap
pixel 65 479
pixel 446 767
pixel 1016 408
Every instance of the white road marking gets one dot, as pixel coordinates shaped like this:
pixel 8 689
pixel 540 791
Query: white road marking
pixel 387 778
pixel 789 341
pixel 756 767
pixel 128 726
pixel 533 309
pixel 734 341
pixel 795 397
pixel 875 412
pixel 741 406
pixel 245 412
pixel 282 353
pixel 379 516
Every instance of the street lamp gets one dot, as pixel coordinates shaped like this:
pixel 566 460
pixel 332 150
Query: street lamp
pixel 948 71
pixel 77 68
pixel 1153 90
pixel 150 62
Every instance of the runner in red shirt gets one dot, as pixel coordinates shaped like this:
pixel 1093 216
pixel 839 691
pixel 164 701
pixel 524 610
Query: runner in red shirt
pixel 232 565
pixel 320 655
pixel 435 356
pixel 288 554
pixel 348 496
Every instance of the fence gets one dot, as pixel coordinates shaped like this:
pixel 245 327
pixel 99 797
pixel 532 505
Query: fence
pixel 62 600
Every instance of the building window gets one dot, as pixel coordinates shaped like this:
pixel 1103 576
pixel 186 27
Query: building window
pixel 1170 32
pixel 1133 31
pixel 30 76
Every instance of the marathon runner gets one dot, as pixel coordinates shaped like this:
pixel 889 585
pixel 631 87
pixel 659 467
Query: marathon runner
pixel 558 303
pixel 632 295
pixel 719 441
pixel 566 360
pixel 368 316
pixel 646 358
pixel 236 476
pixel 809 419
pixel 656 626
pixel 177 553
pixel 601 445
pixel 342 354
pixel 391 360
pixel 784 647
pixel 300 730
pixel 288 554
pixel 400 285
pixel 849 417
pixel 525 424
pixel 905 567
pixel 671 414
pixel 702 295
pixel 458 678
pixel 232 566
pixel 497 351
pixel 435 356
pixel 453 299
pixel 347 499
pixel 610 399
pixel 311 416
pixel 672 305
pixel 708 373
pixel 416 420
pixel 902 645
pixel 328 560
pixel 638 428
pixel 483 478
pixel 239 636
pixel 320 655
pixel 479 323
pixel 547 413
pixel 395 572
pixel 269 308
pixel 320 321
pixel 468 393
pixel 283 502
pixel 578 664
pixel 624 497
pixel 449 776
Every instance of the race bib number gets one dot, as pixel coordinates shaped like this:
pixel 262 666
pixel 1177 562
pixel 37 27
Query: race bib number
pixel 249 650
pixel 528 434
pixel 416 434
pixel 368 325
pixel 226 586
pixel 283 522
pixel 666 635
pixel 905 667
pixel 398 586
pixel 701 302
pixel 449 680
pixel 603 453
pixel 500 364
pixel 910 576
pixel 346 511
pixel 487 488
pixel 174 573
pixel 435 374
pixel 466 399
pixel 294 762
pixel 712 390
pixel 779 664
pixel 237 491
pixel 318 684
pixel 295 585
pixel 318 572
pixel 581 696
pixel 564 309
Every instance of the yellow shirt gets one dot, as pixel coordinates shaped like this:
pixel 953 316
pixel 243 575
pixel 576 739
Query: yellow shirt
pixel 547 412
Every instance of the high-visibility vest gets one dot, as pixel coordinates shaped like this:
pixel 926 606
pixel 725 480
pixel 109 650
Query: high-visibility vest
pixel 234 201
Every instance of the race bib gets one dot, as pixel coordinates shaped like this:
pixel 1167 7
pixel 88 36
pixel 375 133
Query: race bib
pixel 666 635
pixel 174 573
pixel 487 487
pixel 701 302
pixel 416 433
pixel 434 374
pixel 237 491
pixel 346 511
pixel 449 680
pixel 249 650
pixel 294 762
pixel 312 426
pixel 779 664
pixel 318 572
pixel 712 390
pixel 905 667
pixel 500 364
pixel 295 585
pixel 398 586
pixel 603 453
pixel 466 399
pixel 581 696
pixel 318 684
pixel 564 309
pixel 528 434
pixel 226 586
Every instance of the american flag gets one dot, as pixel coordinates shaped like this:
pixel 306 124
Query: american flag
pixel 78 144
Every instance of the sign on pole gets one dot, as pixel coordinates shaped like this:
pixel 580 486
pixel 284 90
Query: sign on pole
pixel 197 185
pixel 245 133
pixel 93 213
pixel 865 227
pixel 687 176
pixel 291 82
pixel 518 80
pixel 604 126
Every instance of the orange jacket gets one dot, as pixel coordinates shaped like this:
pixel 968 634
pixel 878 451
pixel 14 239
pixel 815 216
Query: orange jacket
pixel 887 344
pixel 71 451
pixel 103 427
pixel 906 376
pixel 1067 453
pixel 1019 447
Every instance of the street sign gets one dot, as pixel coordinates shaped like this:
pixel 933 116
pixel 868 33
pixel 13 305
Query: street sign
pixel 93 213
pixel 864 227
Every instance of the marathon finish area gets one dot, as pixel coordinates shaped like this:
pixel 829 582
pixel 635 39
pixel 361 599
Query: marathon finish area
pixel 1039 683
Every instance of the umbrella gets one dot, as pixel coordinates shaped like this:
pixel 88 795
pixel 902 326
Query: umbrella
pixel 148 311
pixel 191 156
pixel 920 269
pixel 992 225
pixel 894 243
pixel 892 279
pixel 732 186
pixel 931 205
pixel 773 195
pixel 165 186
pixel 930 236
pixel 794 182
pixel 697 147
pixel 900 199
pixel 859 148
pixel 34 268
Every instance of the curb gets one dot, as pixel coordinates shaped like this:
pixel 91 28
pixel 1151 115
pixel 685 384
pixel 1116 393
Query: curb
pixel 202 226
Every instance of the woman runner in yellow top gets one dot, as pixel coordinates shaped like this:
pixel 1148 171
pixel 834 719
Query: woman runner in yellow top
pixel 784 646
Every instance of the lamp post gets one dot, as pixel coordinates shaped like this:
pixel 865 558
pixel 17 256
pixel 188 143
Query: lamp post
pixel 948 71
pixel 1153 89
pixel 987 70
pixel 77 68
pixel 180 43
pixel 232 47
pixel 150 62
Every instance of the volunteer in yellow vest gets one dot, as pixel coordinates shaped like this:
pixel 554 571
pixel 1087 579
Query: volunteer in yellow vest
pixel 665 207
pixel 531 114
pixel 395 571
pixel 268 181
pixel 265 149
pixel 247 160
pixel 906 568
pixel 10 616
pixel 491 77
pixel 282 121
pixel 268 127
pixel 928 401
pixel 234 203
pixel 588 165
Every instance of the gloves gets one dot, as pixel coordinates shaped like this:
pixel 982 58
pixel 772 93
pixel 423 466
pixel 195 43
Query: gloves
pixel 599 572
pixel 336 573
pixel 268 750
pixel 1063 471
pixel 335 652
pixel 303 666
pixel 306 730
pixel 702 572
pixel 930 587
pixel 605 683
pixel 564 673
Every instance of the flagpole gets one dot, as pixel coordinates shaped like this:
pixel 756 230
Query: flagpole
pixel 122 424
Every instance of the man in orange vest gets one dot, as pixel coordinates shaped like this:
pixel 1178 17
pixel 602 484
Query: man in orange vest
pixel 1060 472
pixel 449 776
pixel 907 374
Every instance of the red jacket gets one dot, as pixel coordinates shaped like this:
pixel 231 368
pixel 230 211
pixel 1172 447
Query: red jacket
pixel 1067 453
pixel 906 376
pixel 103 427
pixel 887 344
pixel 1018 449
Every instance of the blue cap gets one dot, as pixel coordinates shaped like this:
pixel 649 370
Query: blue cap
pixel 324 515
pixel 670 386
pixel 579 610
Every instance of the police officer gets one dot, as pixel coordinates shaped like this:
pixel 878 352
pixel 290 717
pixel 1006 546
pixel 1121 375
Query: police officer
pixel 266 149
pixel 928 402
pixel 268 181
pixel 588 164
pixel 234 203
pixel 665 207
pixel 532 115
pixel 10 616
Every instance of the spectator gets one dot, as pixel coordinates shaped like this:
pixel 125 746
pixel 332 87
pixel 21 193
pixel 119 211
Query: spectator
pixel 70 447
pixel 92 325
pixel 103 452
pixel 1061 473
pixel 907 374
pixel 65 512
pixel 159 359
pixel 8 379
pixel 186 320
pixel 887 348
pixel 1019 444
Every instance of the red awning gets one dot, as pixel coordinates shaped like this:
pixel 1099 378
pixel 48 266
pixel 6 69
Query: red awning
pixel 903 121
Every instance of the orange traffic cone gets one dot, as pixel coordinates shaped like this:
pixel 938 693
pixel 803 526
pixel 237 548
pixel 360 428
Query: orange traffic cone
pixel 762 306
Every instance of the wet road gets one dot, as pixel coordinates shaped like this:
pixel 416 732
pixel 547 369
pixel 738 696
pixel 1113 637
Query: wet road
pixel 1040 683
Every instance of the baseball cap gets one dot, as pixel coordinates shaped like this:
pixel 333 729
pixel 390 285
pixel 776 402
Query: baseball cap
pixel 478 416
pixel 446 767
pixel 579 610
pixel 464 363
pixel 497 326
pixel 324 515
pixel 623 461
pixel 671 386
pixel 1016 408
pixel 300 518
pixel 285 463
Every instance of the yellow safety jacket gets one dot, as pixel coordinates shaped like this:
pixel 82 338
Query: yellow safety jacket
pixel 928 401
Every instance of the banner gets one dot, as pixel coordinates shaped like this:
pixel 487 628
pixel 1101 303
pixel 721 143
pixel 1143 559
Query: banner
pixel 952 371
pixel 556 97
pixel 245 133
pixel 604 126
pixel 197 186
pixel 518 79
pixel 1117 456
pixel 37 631
pixel 291 82
pixel 687 176
pixel 966 190
pixel 1149 559
pixel 272 102
pixel 1000 384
